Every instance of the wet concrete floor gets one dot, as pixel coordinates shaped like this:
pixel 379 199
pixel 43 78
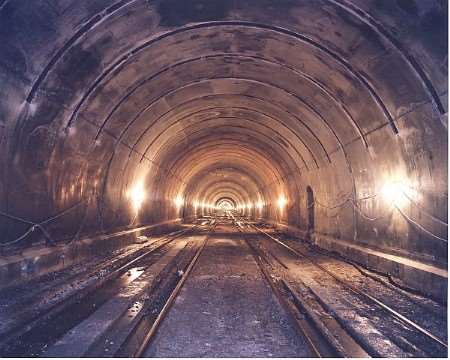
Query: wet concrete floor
pixel 226 309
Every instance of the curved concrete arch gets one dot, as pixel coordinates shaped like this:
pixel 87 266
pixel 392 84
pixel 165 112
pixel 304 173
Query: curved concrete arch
pixel 99 95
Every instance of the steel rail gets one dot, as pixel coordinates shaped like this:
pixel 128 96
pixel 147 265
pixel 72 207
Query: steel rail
pixel 320 339
pixel 168 304
pixel 25 327
pixel 300 326
pixel 166 240
pixel 353 289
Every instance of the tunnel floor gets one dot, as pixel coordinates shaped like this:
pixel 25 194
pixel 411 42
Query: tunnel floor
pixel 222 288
pixel 236 313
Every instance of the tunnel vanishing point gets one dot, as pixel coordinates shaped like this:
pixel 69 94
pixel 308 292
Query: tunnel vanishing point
pixel 326 119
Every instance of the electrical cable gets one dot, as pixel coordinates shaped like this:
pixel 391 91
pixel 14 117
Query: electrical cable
pixel 16 218
pixel 31 229
pixel 423 210
pixel 330 207
pixel 355 205
pixel 62 213
pixel 349 198
pixel 420 226
pixel 23 236
pixel 35 225
pixel 366 216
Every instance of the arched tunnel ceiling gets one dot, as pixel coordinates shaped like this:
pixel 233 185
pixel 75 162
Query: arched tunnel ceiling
pixel 274 95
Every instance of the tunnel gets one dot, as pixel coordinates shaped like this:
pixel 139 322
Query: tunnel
pixel 324 120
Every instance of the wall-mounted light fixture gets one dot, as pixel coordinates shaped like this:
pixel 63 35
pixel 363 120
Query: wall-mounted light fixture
pixel 260 205
pixel 179 201
pixel 136 194
pixel 282 201
pixel 398 193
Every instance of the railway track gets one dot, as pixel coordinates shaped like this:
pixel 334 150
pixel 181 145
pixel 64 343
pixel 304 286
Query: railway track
pixel 137 342
pixel 156 275
pixel 320 332
pixel 307 300
pixel 132 334
pixel 31 336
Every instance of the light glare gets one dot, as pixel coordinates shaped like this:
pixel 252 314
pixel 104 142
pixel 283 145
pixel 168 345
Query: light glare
pixel 137 195
pixel 397 193
pixel 282 201
pixel 179 201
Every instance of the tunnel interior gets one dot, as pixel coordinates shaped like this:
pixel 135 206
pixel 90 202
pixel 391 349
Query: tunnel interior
pixel 327 118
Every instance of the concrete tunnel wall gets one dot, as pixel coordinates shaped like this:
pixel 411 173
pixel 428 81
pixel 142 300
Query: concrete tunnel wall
pixel 201 100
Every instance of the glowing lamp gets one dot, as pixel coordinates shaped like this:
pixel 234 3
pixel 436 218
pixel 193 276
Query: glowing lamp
pixel 136 195
pixel 179 201
pixel 260 205
pixel 282 201
pixel 398 193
